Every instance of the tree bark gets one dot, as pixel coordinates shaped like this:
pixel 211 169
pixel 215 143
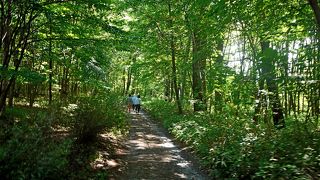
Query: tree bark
pixel 173 61
pixel 5 44
pixel 11 95
pixel 268 74
pixel 198 72
pixel 128 80
pixel 184 71
pixel 124 92
pixel 167 89
pixel 315 7
pixel 50 61
pixel 219 65
pixel 15 37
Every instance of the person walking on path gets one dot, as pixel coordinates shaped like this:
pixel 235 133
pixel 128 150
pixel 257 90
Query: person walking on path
pixel 130 103
pixel 138 106
pixel 136 103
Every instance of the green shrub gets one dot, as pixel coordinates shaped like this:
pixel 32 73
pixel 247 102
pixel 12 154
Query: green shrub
pixel 89 122
pixel 30 153
pixel 47 143
pixel 232 147
pixel 95 115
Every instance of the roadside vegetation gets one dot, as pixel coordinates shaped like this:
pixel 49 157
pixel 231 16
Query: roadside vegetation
pixel 233 147
pixel 62 141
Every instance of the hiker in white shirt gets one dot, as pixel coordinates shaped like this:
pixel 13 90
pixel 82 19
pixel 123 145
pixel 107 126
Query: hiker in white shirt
pixel 136 101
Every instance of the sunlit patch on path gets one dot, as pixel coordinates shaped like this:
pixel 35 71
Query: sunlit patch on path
pixel 152 155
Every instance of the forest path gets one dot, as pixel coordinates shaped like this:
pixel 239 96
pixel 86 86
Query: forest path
pixel 151 154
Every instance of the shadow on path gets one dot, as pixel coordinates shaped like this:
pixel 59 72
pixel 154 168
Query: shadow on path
pixel 152 155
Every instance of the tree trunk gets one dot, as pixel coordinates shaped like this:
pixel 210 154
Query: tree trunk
pixel 50 63
pixel 286 81
pixel 174 76
pixel 11 94
pixel 259 100
pixel 13 41
pixel 315 7
pixel 219 65
pixel 12 88
pixel 129 79
pixel 64 84
pixel 124 92
pixel 184 71
pixel 5 44
pixel 198 75
pixel 173 62
pixel 167 88
pixel 268 74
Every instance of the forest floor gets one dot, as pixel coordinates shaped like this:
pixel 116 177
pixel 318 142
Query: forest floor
pixel 149 153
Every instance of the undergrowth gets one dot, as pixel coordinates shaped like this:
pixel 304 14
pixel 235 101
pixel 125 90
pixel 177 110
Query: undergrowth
pixel 232 147
pixel 58 142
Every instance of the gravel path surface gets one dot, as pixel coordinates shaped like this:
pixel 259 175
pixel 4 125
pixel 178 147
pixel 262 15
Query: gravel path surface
pixel 152 155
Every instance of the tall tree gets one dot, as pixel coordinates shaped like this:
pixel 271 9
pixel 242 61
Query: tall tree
pixel 315 7
pixel 198 70
pixel 16 21
pixel 267 69
pixel 173 59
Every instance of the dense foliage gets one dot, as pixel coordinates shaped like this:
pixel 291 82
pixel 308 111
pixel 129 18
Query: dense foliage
pixel 240 80
pixel 59 142
pixel 243 84
pixel 55 87
pixel 233 148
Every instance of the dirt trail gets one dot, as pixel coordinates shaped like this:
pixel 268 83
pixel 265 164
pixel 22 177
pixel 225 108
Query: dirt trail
pixel 152 155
